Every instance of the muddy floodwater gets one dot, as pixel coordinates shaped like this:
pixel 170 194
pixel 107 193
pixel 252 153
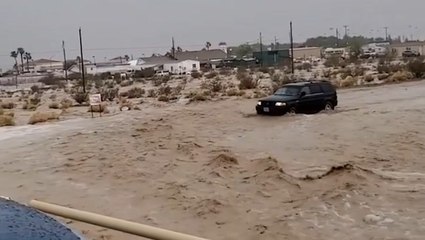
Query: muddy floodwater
pixel 218 171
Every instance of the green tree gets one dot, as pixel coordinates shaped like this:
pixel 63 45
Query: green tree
pixel 14 54
pixel 21 52
pixel 244 50
pixel 208 45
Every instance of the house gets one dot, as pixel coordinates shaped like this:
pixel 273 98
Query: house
pixel 203 56
pixel 399 48
pixel 182 67
pixel 43 66
pixel 375 49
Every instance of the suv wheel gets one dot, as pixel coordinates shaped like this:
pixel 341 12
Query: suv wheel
pixel 329 106
pixel 292 111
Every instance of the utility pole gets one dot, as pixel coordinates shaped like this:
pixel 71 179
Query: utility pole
pixel 261 50
pixel 173 48
pixel 386 33
pixel 337 36
pixel 275 43
pixel 64 61
pixel 292 47
pixel 82 62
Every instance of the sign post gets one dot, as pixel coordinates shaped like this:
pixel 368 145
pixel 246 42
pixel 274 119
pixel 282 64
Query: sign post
pixel 95 100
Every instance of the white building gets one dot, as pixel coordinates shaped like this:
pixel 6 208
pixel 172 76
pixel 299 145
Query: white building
pixel 182 67
pixel 375 49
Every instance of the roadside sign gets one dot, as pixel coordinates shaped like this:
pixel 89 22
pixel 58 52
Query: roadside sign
pixel 95 99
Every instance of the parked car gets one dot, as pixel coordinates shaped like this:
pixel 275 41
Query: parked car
pixel 410 53
pixel 163 73
pixel 305 97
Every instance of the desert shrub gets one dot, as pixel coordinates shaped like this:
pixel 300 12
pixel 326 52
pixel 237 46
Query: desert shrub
pixel 400 76
pixel 358 71
pixel 263 69
pixel 109 94
pixel 40 117
pixel 126 83
pixel 177 90
pixel 66 103
pixel 211 75
pixel 54 105
pixel 165 78
pixel 6 120
pixel 216 85
pixel 35 89
pixel 195 74
pixel 383 68
pixel 225 72
pixel 369 78
pixel 52 97
pixel 105 75
pixel 80 97
pixel 1 111
pixel 333 61
pixel 8 105
pixel 246 80
pixel 152 93
pixel 383 76
pixel 198 97
pixel 98 108
pixel 29 106
pixel 136 92
pixel 417 67
pixel 348 82
pixel 234 92
pixel 50 80
pixel 164 90
pixel 74 76
pixel 163 98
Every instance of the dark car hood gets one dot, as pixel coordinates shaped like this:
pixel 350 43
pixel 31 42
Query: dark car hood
pixel 279 98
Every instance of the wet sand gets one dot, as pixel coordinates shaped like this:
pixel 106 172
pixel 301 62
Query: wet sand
pixel 217 170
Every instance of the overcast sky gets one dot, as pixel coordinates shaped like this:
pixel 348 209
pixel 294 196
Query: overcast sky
pixel 136 27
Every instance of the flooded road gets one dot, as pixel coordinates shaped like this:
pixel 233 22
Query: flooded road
pixel 218 171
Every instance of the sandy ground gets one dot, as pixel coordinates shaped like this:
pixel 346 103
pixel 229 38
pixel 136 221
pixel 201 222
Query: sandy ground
pixel 218 171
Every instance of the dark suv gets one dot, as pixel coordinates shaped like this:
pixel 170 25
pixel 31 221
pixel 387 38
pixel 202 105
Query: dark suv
pixel 306 97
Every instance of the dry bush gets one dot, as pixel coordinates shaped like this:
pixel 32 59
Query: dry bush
pixel 152 93
pixel 199 97
pixel 126 83
pixel 66 103
pixel 333 61
pixel 417 67
pixel 211 75
pixel 6 120
pixel 216 85
pixel 136 92
pixel 40 117
pixel 196 74
pixel 35 89
pixel 246 81
pixel 98 108
pixel 164 90
pixel 383 68
pixel 234 92
pixel 54 105
pixel 369 78
pixel 348 82
pixel 8 105
pixel 383 76
pixel 1 111
pixel 109 94
pixel 400 76
pixel 358 71
pixel 52 97
pixel 80 97
pixel 259 94
pixel 225 72
pixel 177 90
pixel 163 98
pixel 263 69
pixel 29 106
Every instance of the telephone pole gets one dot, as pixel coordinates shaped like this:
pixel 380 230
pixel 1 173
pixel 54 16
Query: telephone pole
pixel 64 61
pixel 261 50
pixel 337 36
pixel 82 61
pixel 292 47
pixel 275 43
pixel 386 33
pixel 173 48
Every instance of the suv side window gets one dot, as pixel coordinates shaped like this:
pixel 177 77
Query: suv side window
pixel 306 90
pixel 327 88
pixel 315 88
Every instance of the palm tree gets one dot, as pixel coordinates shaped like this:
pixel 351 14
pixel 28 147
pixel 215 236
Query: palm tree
pixel 14 54
pixel 208 45
pixel 21 51
pixel 28 57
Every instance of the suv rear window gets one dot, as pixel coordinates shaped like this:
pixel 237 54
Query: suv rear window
pixel 327 87
pixel 315 88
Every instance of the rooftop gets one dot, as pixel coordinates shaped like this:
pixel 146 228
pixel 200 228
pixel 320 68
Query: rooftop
pixel 203 55
pixel 408 44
